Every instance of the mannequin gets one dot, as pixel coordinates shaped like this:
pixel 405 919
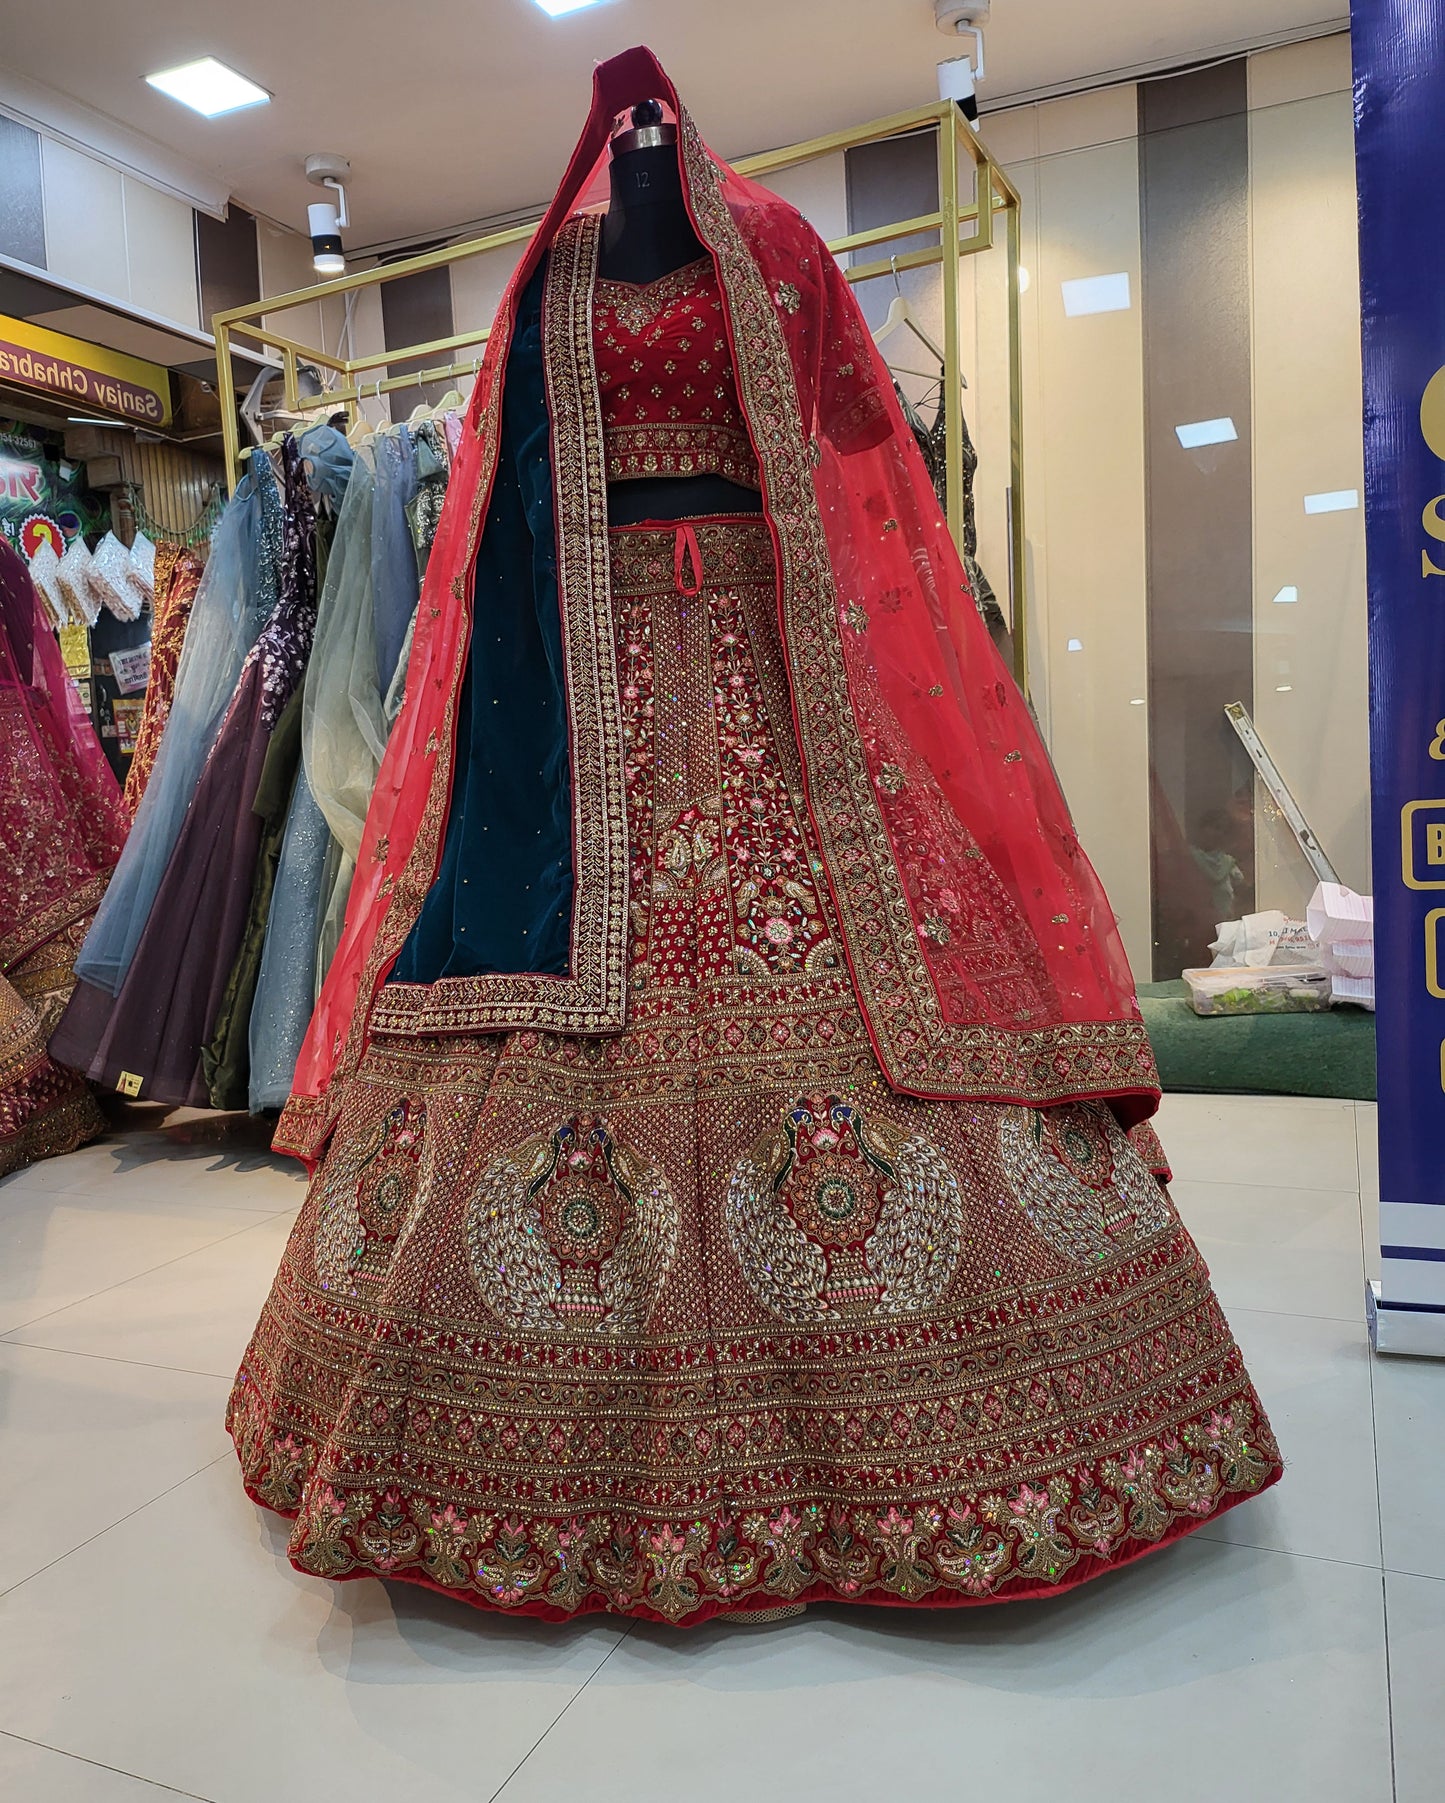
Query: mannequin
pixel 647 234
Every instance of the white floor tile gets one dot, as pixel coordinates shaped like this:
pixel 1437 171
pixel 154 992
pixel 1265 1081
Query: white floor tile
pixel 1368 1152
pixel 31 1774
pixel 1367 1142
pixel 1415 1627
pixel 1293 1142
pixel 1075 1698
pixel 1291 1251
pixel 1410 1446
pixel 122 1655
pixel 222 1176
pixel 213 1161
pixel 73 1171
pixel 83 1441
pixel 57 1247
pixel 1314 1379
pixel 194 1314
pixel 182 1646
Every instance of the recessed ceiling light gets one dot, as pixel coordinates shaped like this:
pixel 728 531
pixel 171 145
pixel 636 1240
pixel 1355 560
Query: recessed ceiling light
pixel 1206 431
pixel 1282 688
pixel 1097 294
pixel 557 7
pixel 1339 500
pixel 1076 644
pixel 208 87
pixel 1138 701
pixel 1287 596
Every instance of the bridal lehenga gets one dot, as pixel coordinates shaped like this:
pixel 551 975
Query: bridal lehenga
pixel 727 1105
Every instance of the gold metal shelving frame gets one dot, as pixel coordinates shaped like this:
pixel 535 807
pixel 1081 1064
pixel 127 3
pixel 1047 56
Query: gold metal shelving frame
pixel 964 227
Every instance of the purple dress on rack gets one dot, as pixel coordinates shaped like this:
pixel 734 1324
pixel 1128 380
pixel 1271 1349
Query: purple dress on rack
pixel 147 1040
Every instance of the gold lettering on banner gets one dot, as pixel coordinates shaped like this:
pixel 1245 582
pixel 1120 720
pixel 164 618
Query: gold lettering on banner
pixel 1432 952
pixel 1432 413
pixel 1435 526
pixel 1432 429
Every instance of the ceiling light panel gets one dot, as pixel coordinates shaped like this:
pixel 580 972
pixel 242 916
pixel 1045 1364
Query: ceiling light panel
pixel 555 8
pixel 208 87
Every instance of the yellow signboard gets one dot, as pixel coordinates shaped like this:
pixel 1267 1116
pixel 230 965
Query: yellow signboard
pixel 88 375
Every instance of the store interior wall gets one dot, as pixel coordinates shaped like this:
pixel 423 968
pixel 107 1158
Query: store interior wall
pixel 1092 465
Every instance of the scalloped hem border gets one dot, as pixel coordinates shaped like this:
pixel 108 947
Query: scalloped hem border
pixel 1090 1565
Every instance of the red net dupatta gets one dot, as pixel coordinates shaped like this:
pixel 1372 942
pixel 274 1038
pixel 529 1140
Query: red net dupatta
pixel 981 945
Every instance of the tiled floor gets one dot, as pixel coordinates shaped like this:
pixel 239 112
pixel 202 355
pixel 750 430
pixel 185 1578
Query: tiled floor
pixel 153 1639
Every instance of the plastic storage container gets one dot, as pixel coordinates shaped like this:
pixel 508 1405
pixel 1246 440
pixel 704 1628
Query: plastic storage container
pixel 1270 989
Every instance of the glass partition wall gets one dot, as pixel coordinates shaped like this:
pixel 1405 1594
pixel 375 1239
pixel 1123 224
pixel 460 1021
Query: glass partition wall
pixel 1193 469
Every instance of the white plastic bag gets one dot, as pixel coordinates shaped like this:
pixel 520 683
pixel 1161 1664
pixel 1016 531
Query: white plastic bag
pixel 1263 939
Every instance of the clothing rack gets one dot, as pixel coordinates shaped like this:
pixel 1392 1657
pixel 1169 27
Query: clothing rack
pixel 964 229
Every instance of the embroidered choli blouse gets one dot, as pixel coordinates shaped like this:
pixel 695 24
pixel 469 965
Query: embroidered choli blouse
pixel 669 395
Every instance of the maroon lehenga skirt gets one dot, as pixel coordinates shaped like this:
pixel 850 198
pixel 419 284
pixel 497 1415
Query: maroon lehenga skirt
pixel 704 1318
pixel 45 1108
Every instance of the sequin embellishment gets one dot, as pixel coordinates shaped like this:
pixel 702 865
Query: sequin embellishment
pixel 369 1201
pixel 572 1228
pixel 1082 1185
pixel 835 1216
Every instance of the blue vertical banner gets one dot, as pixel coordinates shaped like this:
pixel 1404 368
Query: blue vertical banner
pixel 1399 59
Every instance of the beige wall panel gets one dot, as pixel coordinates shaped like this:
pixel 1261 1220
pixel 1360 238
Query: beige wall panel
pixel 368 335
pixel 286 265
pixel 1087 437
pixel 1307 409
pixel 160 242
pixel 818 190
pixel 478 284
pixel 1300 71
pixel 1012 135
pixel 1078 121
pixel 84 220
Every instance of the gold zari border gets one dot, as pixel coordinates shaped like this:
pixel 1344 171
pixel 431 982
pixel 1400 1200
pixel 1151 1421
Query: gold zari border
pixel 593 997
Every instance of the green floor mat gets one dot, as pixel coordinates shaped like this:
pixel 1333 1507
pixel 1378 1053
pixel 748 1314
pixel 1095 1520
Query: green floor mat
pixel 1326 1054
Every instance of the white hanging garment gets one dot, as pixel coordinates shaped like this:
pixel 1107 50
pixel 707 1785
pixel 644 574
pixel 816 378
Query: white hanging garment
pixel 112 581
pixel 143 567
pixel 73 580
pixel 44 573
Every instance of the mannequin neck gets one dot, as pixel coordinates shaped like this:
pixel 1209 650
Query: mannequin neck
pixel 646 232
